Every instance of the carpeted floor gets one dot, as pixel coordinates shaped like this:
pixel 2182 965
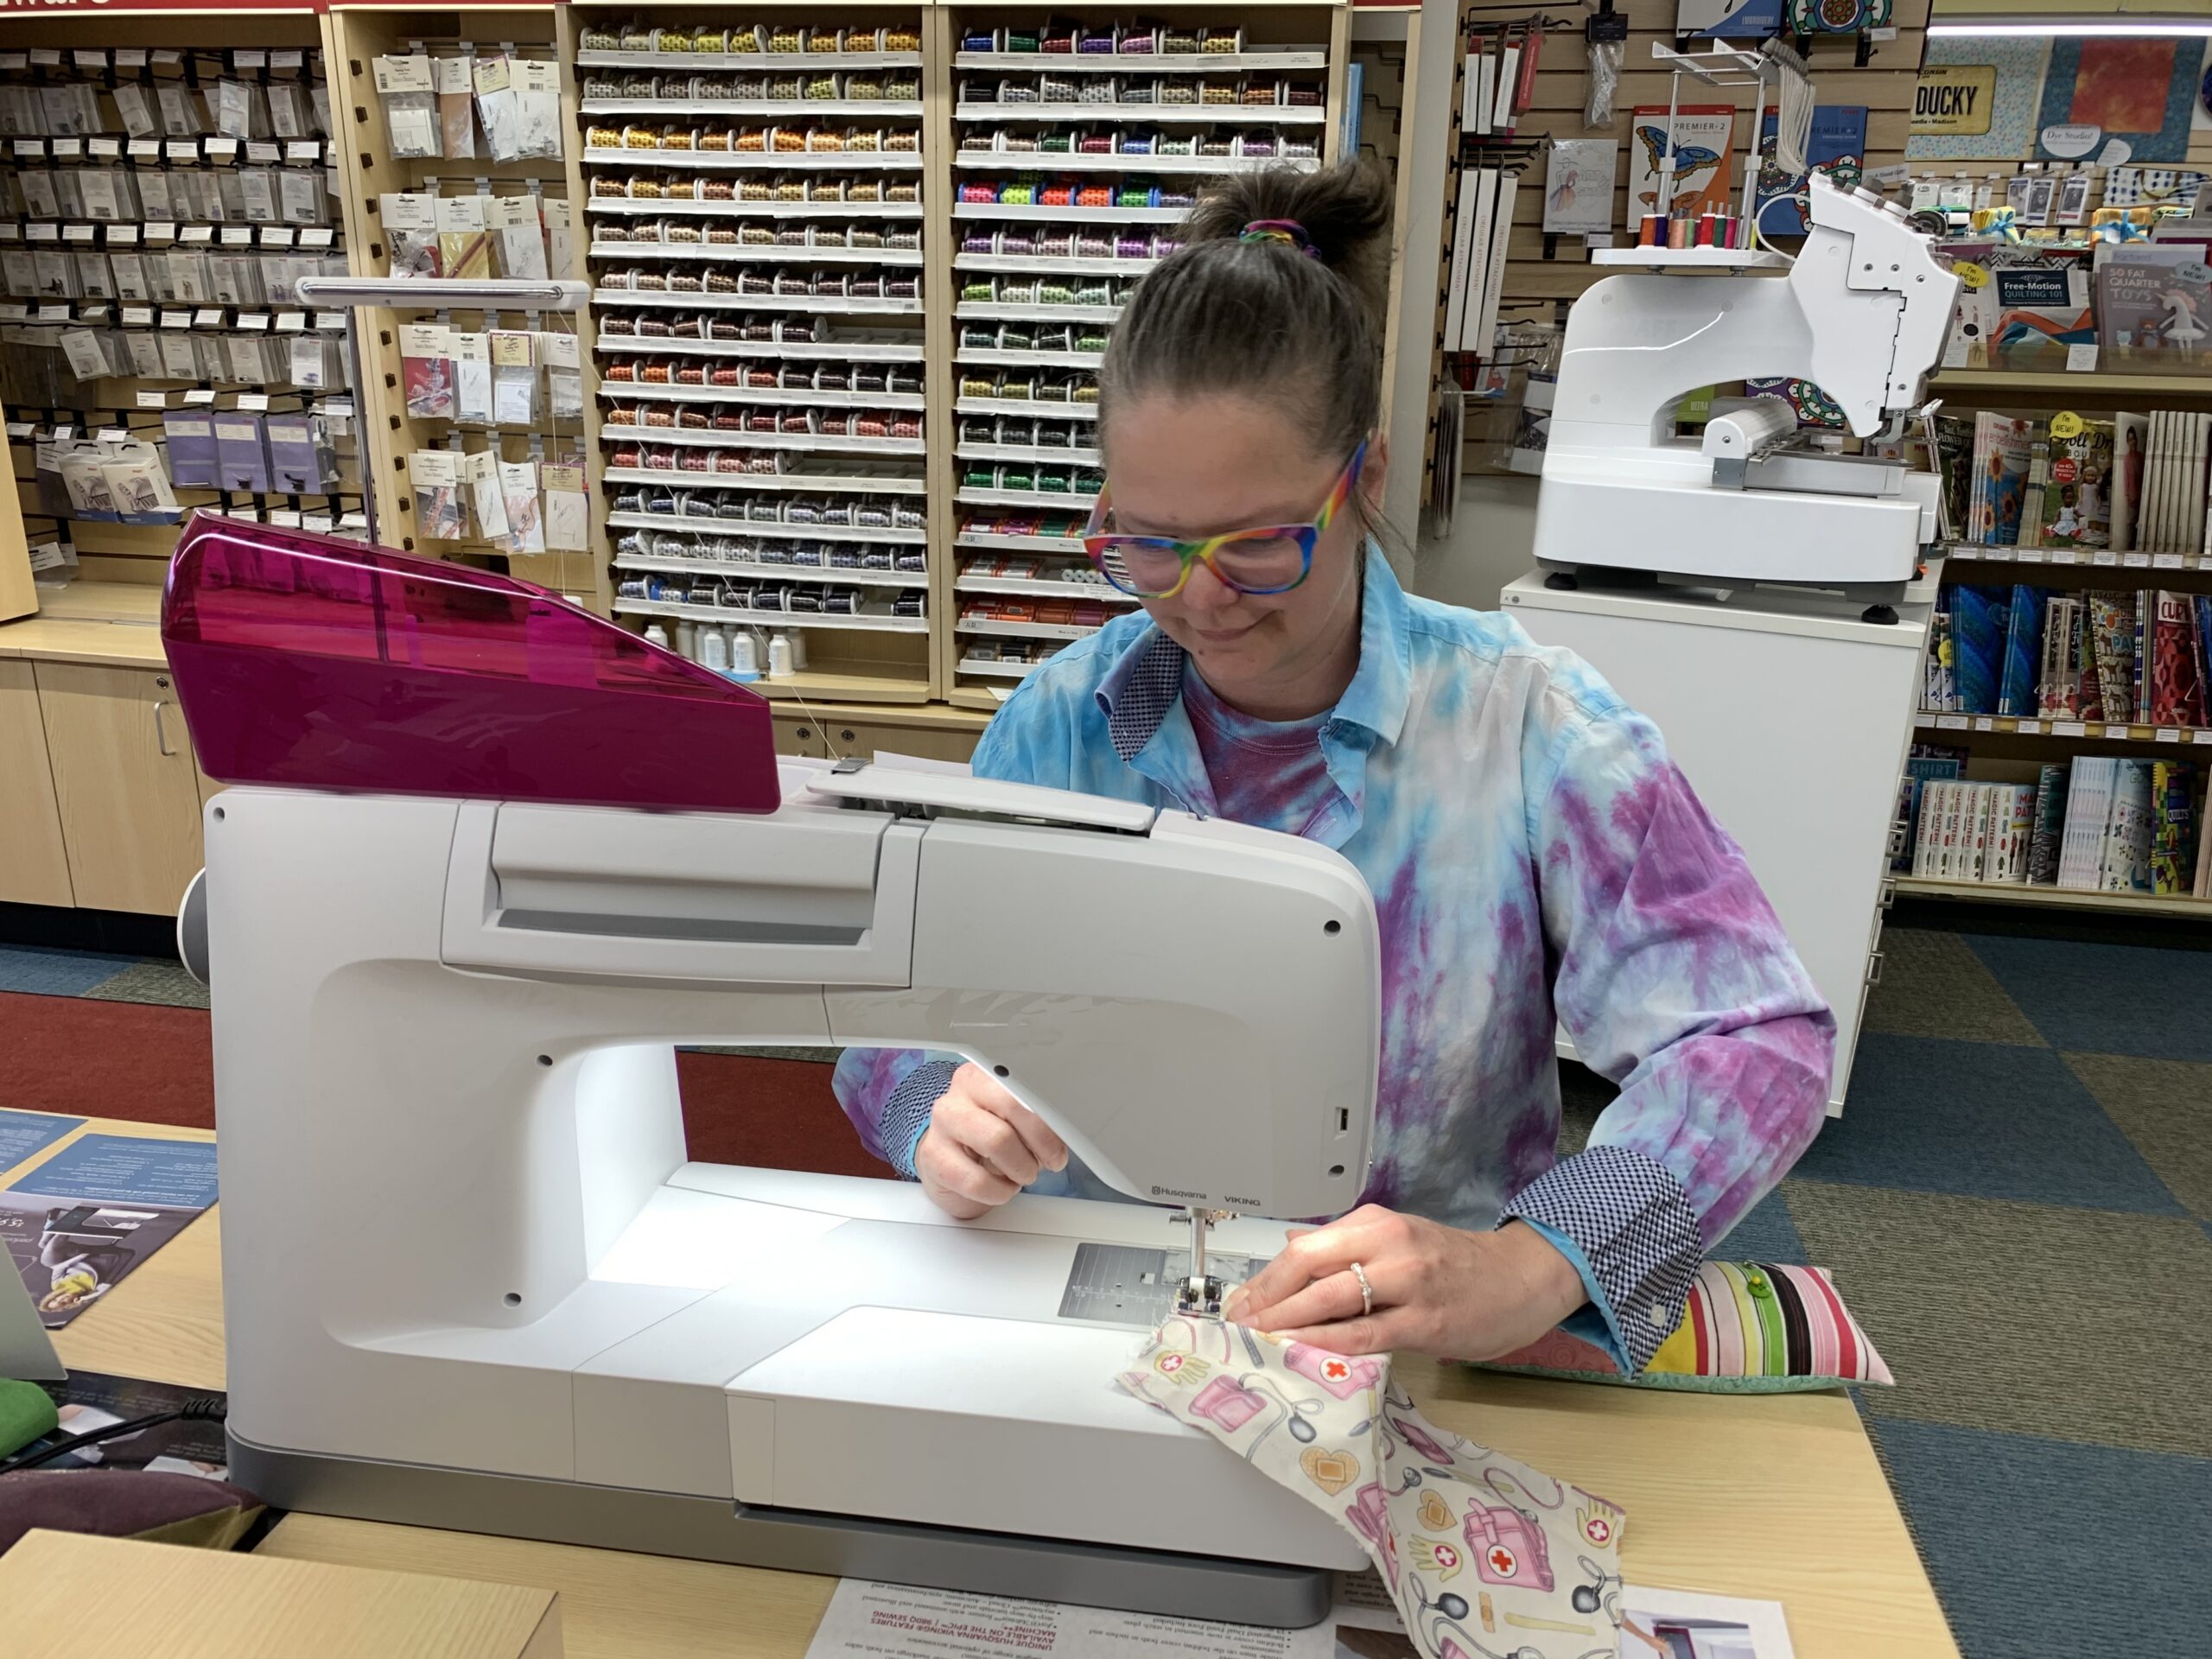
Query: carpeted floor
pixel 2017 1202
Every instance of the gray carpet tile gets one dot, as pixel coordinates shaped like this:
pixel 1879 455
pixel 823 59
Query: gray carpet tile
pixel 152 980
pixel 2165 1108
pixel 2070 1324
pixel 1933 985
pixel 2043 1550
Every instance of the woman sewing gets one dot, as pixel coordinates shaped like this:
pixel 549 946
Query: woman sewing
pixel 1534 857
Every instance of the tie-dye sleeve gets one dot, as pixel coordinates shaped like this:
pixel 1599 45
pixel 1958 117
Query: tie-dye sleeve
pixel 1677 983
pixel 888 1093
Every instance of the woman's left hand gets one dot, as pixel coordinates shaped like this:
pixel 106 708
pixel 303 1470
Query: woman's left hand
pixel 1437 1290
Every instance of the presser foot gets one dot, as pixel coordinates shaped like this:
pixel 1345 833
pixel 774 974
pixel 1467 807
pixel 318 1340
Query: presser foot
pixel 1199 1294
pixel 1199 1297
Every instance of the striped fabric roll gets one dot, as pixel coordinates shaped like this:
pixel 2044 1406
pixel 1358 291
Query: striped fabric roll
pixel 1750 1327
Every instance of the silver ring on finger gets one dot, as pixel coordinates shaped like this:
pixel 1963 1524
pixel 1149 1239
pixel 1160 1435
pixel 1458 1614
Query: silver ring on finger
pixel 1366 1291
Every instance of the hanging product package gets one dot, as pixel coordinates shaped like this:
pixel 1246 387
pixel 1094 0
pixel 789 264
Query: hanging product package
pixel 257 186
pixel 516 237
pixel 518 496
pixel 137 111
pixel 564 378
pixel 179 110
pixel 410 233
pixel 514 377
pixel 568 508
pixel 189 435
pixel 439 512
pixel 288 113
pixel 237 108
pixel 1606 34
pixel 315 362
pixel 560 236
pixel 480 476
pixel 454 80
pixel 300 460
pixel 408 90
pixel 426 370
pixel 464 245
pixel 302 193
pixel 537 89
pixel 138 484
pixel 495 107
pixel 472 377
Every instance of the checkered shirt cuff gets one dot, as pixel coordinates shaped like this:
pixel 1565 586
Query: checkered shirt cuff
pixel 1639 1239
pixel 906 1114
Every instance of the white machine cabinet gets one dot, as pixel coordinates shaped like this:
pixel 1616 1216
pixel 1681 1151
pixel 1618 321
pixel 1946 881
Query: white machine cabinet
pixel 1791 716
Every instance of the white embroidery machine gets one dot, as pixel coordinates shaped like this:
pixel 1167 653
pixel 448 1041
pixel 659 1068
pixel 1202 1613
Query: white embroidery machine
pixel 471 1278
pixel 1862 314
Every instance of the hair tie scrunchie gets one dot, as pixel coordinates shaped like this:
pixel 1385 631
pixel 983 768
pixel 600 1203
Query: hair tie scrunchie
pixel 1279 229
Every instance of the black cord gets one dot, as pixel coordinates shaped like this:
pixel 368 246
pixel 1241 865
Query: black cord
pixel 201 1407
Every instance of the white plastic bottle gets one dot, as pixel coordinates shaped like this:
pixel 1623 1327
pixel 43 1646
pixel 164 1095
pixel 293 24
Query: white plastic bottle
pixel 744 655
pixel 713 650
pixel 687 639
pixel 657 635
pixel 798 650
pixel 779 656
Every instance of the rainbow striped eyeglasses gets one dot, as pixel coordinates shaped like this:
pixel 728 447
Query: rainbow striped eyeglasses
pixel 1268 559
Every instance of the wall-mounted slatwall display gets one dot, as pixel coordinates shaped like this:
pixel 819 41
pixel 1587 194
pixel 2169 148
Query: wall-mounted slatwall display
pixel 757 240
pixel 465 131
pixel 1079 144
pixel 162 199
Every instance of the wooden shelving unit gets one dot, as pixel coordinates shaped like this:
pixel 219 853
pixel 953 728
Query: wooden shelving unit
pixel 1070 171
pixel 101 53
pixel 2137 904
pixel 785 335
pixel 361 36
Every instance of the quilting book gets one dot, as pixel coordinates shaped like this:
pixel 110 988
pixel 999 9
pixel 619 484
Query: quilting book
pixel 2175 683
pixel 2023 627
pixel 1836 147
pixel 2173 840
pixel 2154 307
pixel 2004 445
pixel 1703 135
pixel 1978 644
pixel 2111 639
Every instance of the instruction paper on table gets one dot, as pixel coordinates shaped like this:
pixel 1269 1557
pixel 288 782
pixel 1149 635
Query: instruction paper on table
pixel 866 1620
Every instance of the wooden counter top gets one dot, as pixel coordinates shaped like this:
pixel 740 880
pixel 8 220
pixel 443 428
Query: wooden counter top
pixel 108 624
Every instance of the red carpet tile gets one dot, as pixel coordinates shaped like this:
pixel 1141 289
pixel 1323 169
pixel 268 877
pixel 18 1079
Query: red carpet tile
pixel 152 1064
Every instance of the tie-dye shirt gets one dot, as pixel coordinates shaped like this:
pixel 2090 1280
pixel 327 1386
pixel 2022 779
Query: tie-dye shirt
pixel 1536 861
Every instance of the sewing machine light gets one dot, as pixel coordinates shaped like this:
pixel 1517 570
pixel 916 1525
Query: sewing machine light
pixel 311 661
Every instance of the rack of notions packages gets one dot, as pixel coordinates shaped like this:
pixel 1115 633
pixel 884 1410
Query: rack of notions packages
pixel 161 205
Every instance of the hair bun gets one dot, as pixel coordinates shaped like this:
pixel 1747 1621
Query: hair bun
pixel 1340 215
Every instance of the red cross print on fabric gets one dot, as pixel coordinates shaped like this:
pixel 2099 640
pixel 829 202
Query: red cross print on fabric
pixel 1335 1369
pixel 1171 1362
pixel 1599 1529
pixel 1503 1561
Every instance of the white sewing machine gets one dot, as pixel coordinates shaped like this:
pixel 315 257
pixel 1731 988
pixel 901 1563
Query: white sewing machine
pixel 472 1279
pixel 1862 314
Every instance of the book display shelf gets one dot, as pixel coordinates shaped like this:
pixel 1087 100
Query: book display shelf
pixel 2068 670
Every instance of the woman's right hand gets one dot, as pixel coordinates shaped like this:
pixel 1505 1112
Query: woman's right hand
pixel 982 1146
